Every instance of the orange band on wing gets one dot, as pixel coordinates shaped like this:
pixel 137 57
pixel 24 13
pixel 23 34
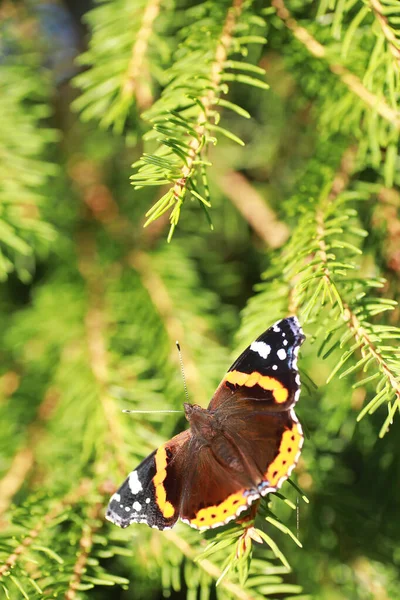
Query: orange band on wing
pixel 279 392
pixel 287 457
pixel 165 507
pixel 207 517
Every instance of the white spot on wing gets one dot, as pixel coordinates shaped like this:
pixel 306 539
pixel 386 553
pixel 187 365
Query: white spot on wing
pixel 127 508
pixel 285 342
pixel 148 500
pixel 134 484
pixel 116 497
pixel 261 348
pixel 281 354
pixel 137 506
pixel 274 367
pixel 297 379
pixel 276 328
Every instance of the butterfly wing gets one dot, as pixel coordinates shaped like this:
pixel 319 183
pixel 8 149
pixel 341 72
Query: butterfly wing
pixel 151 493
pixel 266 370
pixel 270 443
pixel 219 487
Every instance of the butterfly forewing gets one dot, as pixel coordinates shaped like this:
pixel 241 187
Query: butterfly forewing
pixel 266 370
pixel 151 493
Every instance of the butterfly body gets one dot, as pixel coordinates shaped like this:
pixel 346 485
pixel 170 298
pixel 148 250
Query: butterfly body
pixel 243 446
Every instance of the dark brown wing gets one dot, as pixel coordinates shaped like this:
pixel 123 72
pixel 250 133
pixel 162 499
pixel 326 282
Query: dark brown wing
pixel 270 442
pixel 219 487
pixel 266 370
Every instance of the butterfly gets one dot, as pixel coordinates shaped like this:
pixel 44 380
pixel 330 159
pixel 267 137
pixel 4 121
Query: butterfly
pixel 240 448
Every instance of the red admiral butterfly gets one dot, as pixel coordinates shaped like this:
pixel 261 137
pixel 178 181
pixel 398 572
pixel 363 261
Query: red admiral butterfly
pixel 243 446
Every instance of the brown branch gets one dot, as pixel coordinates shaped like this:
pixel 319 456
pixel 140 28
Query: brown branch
pixel 95 323
pixel 349 79
pixel 392 41
pixel 71 499
pixel 254 209
pixel 136 72
pixel 85 547
pixel 15 477
pixel 163 303
pixel 23 460
pixel 208 100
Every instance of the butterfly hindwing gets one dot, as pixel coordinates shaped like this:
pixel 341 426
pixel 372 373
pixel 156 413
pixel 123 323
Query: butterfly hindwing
pixel 269 442
pixel 217 490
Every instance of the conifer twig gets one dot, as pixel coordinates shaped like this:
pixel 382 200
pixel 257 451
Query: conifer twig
pixel 360 334
pixel 340 182
pixel 391 39
pixel 24 459
pixel 69 500
pixel 85 547
pixel 208 100
pixel 95 329
pixel 135 72
pixel 15 477
pixel 349 79
pixel 213 570
pixel 352 321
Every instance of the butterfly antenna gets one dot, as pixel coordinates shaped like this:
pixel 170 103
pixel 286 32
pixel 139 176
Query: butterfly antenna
pixel 182 370
pixel 146 412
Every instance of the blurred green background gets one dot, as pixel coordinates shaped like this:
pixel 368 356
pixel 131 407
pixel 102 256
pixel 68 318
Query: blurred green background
pixel 92 302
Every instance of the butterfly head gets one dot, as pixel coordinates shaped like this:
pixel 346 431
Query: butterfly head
pixel 201 421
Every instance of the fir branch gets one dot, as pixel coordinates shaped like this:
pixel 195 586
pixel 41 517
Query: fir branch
pixel 137 65
pixel 363 332
pixel 23 460
pixel 389 33
pixel 25 169
pixel 254 209
pixel 15 477
pixel 43 522
pixel 94 522
pixel 354 84
pixel 209 567
pixel 95 330
pixel 186 117
pixel 369 347
pixel 207 101
pixel 122 62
